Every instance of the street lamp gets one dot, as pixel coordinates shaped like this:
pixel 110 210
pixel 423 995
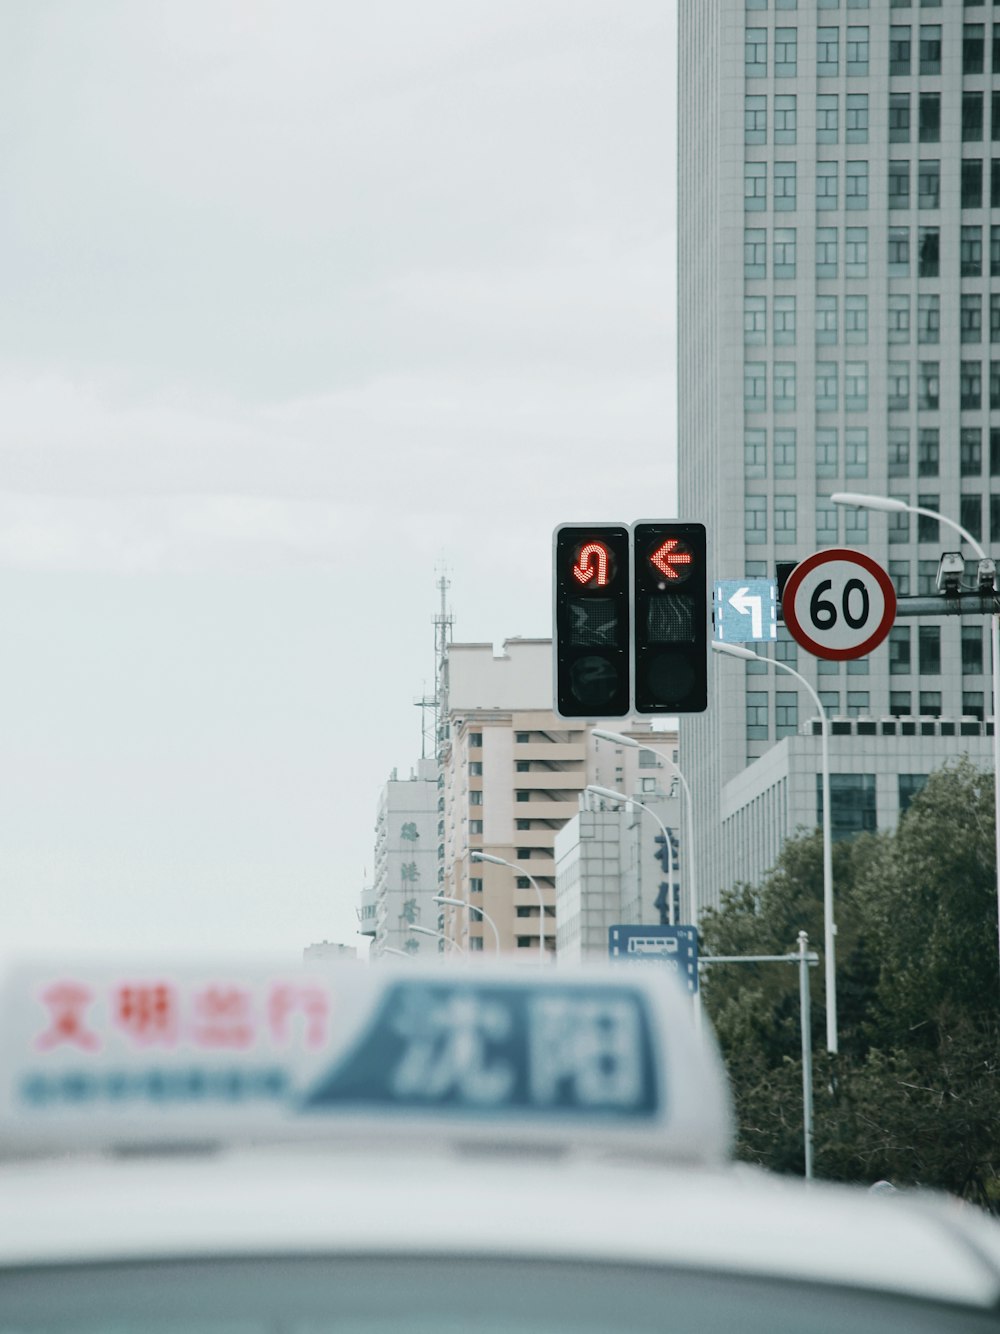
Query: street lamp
pixel 829 929
pixel 619 739
pixel 895 505
pixel 461 903
pixel 609 794
pixel 513 866
pixel 438 935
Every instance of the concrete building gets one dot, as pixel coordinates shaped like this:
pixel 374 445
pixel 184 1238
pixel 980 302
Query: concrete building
pixel 406 863
pixel 838 325
pixel 512 774
pixel 328 951
pixel 608 874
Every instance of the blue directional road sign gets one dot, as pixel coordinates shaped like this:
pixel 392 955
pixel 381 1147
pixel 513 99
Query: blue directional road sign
pixel 746 610
pixel 672 947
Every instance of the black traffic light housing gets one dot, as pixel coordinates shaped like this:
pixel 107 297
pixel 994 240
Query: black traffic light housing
pixel 670 610
pixel 591 621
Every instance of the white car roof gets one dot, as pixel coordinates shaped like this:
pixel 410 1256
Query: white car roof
pixel 308 1200
pixel 154 1113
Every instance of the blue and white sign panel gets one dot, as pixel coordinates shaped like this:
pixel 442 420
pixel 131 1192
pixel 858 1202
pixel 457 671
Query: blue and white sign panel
pixel 672 947
pixel 746 611
pixel 97 1057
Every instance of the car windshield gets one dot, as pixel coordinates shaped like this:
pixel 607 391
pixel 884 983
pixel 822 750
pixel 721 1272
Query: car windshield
pixel 421 1295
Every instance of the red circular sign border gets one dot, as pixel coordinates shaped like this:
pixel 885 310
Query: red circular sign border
pixel 822 558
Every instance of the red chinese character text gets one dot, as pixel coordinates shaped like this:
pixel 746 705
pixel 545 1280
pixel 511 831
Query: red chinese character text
pixel 223 1017
pixel 147 1012
pixel 67 1002
pixel 310 1003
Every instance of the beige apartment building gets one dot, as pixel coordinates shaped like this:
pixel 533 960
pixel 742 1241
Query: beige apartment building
pixel 511 777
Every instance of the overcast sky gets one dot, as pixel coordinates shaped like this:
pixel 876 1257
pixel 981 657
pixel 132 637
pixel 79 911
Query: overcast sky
pixel 300 301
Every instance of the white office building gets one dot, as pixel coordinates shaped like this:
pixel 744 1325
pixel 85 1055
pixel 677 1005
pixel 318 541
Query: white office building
pixel 839 330
pixel 405 879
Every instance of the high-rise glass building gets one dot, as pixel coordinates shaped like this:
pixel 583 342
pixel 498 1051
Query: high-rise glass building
pixel 839 330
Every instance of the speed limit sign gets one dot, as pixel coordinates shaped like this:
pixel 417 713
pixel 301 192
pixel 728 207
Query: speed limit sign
pixel 839 604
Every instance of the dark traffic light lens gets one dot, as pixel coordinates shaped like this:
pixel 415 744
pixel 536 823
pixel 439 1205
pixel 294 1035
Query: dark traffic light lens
pixel 592 621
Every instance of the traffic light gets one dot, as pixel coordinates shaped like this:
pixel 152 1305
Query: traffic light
pixel 671 618
pixel 591 621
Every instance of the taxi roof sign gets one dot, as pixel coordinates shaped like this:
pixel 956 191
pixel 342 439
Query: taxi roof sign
pixel 110 1057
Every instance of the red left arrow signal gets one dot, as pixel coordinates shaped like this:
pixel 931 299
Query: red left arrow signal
pixel 672 559
pixel 592 560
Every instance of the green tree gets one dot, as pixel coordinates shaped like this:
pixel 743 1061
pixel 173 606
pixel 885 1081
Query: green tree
pixel 912 1095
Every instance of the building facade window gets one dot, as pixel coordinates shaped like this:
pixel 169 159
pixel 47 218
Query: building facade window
pixel 754 320
pixel 899 317
pixel 856 446
pixel 784 519
pixel 899 252
pixel 970 385
pixel 784 252
pixel 826 386
pixel 827 118
pixel 785 53
pixel 971 451
pixel 856 251
pixel 928 452
pixel 852 804
pixel 928 252
pixel 856 319
pixel 786 713
pixel 755 187
pixel 899 452
pixel 973 48
pixel 929 386
pixel 784 321
pixel 900 48
pixel 857 118
pixel 784 187
pixel 826 186
pixel 755 386
pixel 756 715
pixel 784 452
pixel 899 184
pixel 755 252
pixel 826 319
pixel 972 650
pixel 755 520
pixel 826 252
pixel 754 453
pixel 828 51
pixel 972 183
pixel 785 119
pixel 899 118
pixel 755 53
pixel 929 118
pixel 784 386
pixel 971 317
pixel 755 119
pixel 971 251
pixel 928 318
pixel 929 183
pixel 930 48
pixel 898 385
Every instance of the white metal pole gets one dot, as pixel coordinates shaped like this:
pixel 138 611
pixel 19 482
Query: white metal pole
pixel 805 1018
pixel 521 870
pixel 471 907
pixel 829 927
pixel 635 744
pixel 623 797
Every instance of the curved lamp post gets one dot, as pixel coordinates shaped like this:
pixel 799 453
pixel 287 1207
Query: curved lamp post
pixel 829 928
pixel 609 794
pixel 633 744
pixel 438 935
pixel 461 903
pixel 513 866
pixel 892 505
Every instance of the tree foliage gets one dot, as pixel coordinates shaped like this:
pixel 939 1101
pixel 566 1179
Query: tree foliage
pixel 912 1095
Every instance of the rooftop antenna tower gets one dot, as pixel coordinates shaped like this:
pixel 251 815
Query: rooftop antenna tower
pixel 443 623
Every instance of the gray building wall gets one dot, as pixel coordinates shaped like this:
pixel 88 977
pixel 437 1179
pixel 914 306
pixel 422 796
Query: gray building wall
pixel 879 405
